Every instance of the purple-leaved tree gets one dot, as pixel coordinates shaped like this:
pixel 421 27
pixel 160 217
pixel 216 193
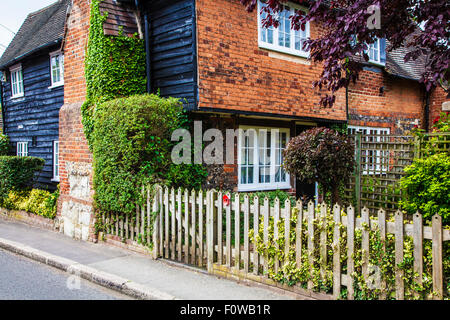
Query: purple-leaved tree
pixel 347 20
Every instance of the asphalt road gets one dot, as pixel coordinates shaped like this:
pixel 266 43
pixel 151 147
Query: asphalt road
pixel 25 279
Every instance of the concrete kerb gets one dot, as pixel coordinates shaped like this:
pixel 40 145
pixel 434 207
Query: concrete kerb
pixel 102 278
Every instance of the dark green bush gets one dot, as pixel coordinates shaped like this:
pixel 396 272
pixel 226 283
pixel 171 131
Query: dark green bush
pixel 131 146
pixel 321 155
pixel 427 184
pixel 17 173
pixel 4 145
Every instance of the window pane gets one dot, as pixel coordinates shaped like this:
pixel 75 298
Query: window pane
pixel 284 29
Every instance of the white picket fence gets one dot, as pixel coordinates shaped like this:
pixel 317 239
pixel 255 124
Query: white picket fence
pixel 199 228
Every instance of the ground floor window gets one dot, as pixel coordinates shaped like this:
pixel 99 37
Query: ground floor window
pixel 55 160
pixel 22 149
pixel 260 159
pixel 373 161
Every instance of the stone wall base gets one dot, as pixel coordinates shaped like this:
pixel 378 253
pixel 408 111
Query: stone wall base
pixel 30 219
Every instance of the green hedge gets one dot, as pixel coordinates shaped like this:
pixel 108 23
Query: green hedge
pixel 131 146
pixel 17 173
pixel 4 145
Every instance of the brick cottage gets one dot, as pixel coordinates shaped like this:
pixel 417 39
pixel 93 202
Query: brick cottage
pixel 233 73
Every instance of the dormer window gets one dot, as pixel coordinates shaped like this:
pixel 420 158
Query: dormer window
pixel 283 38
pixel 16 81
pixel 57 69
pixel 377 52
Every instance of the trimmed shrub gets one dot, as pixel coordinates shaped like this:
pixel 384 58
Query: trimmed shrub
pixel 40 202
pixel 17 173
pixel 4 145
pixel 131 146
pixel 427 184
pixel 321 155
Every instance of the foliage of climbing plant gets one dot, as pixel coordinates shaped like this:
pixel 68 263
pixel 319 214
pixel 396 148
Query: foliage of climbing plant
pixel 381 259
pixel 132 145
pixel 114 66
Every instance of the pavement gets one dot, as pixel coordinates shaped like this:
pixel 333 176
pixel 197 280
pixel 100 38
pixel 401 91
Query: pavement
pixel 127 272
pixel 25 279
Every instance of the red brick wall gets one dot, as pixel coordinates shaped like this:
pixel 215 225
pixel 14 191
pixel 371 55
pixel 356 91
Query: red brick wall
pixel 74 150
pixel 437 98
pixel 235 74
pixel 399 106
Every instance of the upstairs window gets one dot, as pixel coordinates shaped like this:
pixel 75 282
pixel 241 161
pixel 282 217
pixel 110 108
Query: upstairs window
pixel 57 68
pixel 16 81
pixel 261 158
pixel 22 149
pixel 377 52
pixel 283 38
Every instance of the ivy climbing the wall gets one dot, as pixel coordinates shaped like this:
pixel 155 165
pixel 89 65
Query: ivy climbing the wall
pixel 114 67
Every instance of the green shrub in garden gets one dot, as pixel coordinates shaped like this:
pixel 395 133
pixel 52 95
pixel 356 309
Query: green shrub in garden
pixel 427 184
pixel 17 173
pixel 40 202
pixel 4 145
pixel 131 144
pixel 321 155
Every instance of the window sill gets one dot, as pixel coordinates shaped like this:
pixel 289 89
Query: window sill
pixel 290 52
pixel 18 97
pixel 375 63
pixel 53 86
pixel 263 187
pixel 55 180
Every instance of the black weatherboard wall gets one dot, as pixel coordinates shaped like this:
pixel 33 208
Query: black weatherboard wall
pixel 36 114
pixel 173 50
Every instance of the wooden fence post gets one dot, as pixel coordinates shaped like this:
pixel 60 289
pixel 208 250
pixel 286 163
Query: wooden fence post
pixel 287 229
pixel 365 237
pixel 193 227
pixel 298 234
pixel 323 240
pixel 256 231
pixel 237 239
pixel 382 227
pixel 156 236
pixel 228 249
pixel 276 219
pixel 418 247
pixel 266 213
pixel 350 251
pixel 311 241
pixel 186 226
pixel 172 224
pixel 246 230
pixel 219 228
pixel 399 283
pixel 209 231
pixel 179 225
pixel 200 227
pixel 437 257
pixel 336 252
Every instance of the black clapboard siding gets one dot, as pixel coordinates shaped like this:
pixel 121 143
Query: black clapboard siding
pixel 173 50
pixel 37 112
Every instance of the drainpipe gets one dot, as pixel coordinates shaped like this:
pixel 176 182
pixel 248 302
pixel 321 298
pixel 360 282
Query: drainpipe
pixel 147 44
pixel 147 51
pixel 426 118
pixel 3 107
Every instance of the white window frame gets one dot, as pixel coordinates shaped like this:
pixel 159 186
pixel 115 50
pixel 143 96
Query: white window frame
pixel 56 166
pixel 15 71
pixel 275 46
pixel 372 48
pixel 59 83
pixel 22 149
pixel 376 167
pixel 256 186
